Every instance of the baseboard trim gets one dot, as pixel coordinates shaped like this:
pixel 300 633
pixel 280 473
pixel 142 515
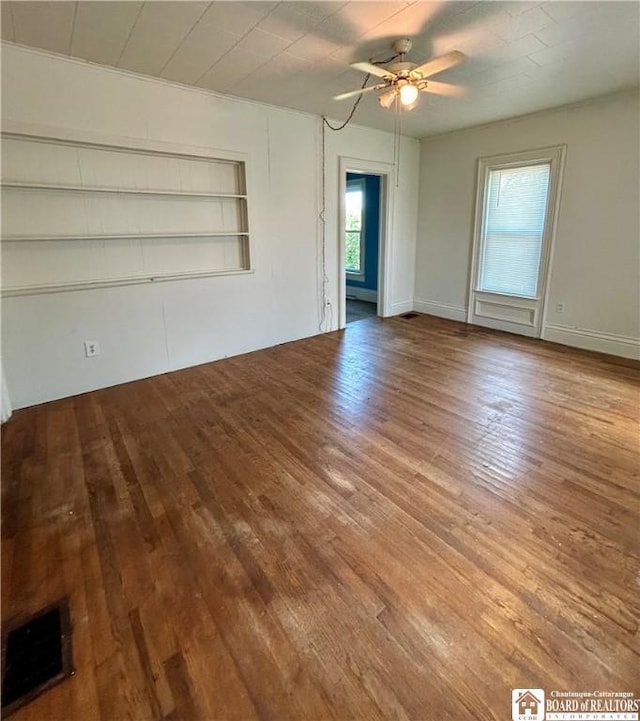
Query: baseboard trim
pixel 371 296
pixel 403 306
pixel 623 346
pixel 442 310
pixel 593 340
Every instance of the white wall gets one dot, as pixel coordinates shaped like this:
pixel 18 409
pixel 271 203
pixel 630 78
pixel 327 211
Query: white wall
pixel 376 146
pixel 153 328
pixel 595 268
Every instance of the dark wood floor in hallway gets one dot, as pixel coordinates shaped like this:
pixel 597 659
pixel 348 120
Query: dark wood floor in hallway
pixel 404 520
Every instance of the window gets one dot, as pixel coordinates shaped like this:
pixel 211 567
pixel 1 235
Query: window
pixel 516 202
pixel 513 228
pixel 354 225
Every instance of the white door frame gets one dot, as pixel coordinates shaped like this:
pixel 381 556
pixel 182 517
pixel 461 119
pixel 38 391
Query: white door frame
pixel 386 172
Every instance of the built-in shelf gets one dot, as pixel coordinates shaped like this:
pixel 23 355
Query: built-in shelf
pixel 121 236
pixel 51 220
pixel 117 191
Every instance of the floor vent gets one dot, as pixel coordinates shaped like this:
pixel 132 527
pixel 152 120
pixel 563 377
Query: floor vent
pixel 36 654
pixel 408 316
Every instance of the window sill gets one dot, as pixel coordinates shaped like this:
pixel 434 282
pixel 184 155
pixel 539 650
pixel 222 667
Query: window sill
pixel 507 295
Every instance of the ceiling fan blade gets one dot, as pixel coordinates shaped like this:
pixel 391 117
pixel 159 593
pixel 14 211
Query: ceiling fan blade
pixel 451 91
pixel 353 93
pixel 437 65
pixel 376 70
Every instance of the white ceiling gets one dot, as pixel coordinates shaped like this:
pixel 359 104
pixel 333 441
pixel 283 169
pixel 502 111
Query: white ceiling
pixel 522 56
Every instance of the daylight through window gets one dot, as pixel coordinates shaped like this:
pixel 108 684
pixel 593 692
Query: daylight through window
pixel 513 229
pixel 354 254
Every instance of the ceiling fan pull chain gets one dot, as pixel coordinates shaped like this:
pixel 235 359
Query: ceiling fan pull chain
pixel 396 139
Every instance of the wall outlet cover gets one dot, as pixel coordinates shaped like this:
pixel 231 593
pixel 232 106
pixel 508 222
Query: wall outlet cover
pixel 91 348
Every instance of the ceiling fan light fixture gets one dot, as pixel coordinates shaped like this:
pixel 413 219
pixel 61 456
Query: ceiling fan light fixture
pixel 387 99
pixel 408 95
pixel 403 80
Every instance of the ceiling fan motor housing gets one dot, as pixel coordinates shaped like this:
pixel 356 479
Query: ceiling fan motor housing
pixel 402 46
pixel 402 69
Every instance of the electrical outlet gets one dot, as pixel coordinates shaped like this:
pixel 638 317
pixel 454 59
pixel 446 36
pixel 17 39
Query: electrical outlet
pixel 91 348
pixel 559 307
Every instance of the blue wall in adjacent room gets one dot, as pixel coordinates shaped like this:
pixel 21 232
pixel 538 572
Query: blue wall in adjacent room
pixel 371 231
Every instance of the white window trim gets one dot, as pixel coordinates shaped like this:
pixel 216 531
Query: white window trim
pixel 352 274
pixel 555 156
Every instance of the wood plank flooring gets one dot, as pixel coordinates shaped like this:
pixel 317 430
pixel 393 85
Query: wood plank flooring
pixel 404 520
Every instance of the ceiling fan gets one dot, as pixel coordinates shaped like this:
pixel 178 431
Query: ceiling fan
pixel 405 80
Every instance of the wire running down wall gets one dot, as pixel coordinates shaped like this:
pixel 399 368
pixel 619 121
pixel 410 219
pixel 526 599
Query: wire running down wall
pixel 80 215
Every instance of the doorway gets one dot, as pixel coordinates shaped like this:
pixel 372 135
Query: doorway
pixel 364 218
pixel 362 245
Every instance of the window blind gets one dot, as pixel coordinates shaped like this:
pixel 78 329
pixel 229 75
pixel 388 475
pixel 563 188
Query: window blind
pixel 515 210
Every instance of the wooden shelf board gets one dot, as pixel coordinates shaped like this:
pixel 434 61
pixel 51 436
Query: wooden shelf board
pixel 123 236
pixel 117 191
pixel 113 282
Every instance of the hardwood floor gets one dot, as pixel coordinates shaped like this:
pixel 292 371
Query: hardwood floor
pixel 404 520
